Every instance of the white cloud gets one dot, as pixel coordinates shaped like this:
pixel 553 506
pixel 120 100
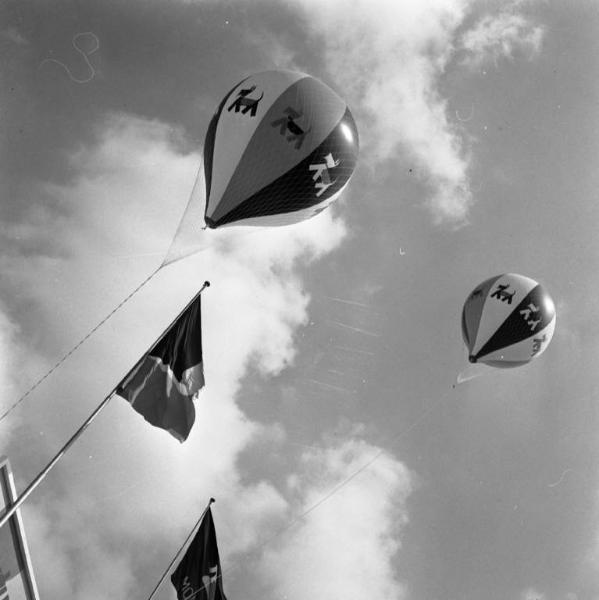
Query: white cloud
pixel 12 35
pixel 532 594
pixel 387 58
pixel 124 497
pixel 8 360
pixel 18 366
pixel 591 562
pixel 347 547
pixel 501 36
pixel 64 551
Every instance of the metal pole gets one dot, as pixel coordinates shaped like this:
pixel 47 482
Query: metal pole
pixel 165 574
pixel 40 477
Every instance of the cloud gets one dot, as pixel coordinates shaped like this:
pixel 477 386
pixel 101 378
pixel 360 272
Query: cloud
pixel 18 365
pixel 13 36
pixel 355 534
pixel 532 594
pixel 8 360
pixel 126 494
pixel 591 558
pixel 387 59
pixel 503 35
pixel 64 551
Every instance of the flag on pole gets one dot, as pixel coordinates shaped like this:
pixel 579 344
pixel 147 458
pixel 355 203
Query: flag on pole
pixel 162 385
pixel 198 575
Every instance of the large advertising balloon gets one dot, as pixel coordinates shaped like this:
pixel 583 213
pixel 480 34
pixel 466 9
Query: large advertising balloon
pixel 281 147
pixel 507 321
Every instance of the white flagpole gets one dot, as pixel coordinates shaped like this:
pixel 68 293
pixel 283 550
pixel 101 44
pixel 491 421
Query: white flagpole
pixel 40 477
pixel 165 574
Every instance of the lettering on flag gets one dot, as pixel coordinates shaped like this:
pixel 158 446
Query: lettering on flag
pixel 208 587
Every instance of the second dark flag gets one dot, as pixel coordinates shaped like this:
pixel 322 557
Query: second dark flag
pixel 198 575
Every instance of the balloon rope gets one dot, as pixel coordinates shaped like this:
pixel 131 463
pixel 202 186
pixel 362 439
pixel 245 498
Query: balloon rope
pixel 197 188
pixel 80 343
pixel 339 486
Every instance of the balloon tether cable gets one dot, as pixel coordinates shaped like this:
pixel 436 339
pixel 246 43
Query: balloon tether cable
pixel 13 507
pixel 77 345
pixel 168 259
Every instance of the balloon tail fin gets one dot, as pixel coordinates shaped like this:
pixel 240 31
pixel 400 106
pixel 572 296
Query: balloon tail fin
pixel 472 372
pixel 180 251
pixel 192 236
pixel 189 237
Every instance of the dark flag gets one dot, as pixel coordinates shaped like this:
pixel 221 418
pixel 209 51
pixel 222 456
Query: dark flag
pixel 198 575
pixel 162 385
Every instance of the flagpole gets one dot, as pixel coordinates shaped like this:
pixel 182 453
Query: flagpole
pixel 165 574
pixel 40 477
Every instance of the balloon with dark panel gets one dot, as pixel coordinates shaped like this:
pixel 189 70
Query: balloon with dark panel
pixel 280 148
pixel 507 321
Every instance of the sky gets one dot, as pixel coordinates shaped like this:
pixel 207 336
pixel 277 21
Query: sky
pixel 344 457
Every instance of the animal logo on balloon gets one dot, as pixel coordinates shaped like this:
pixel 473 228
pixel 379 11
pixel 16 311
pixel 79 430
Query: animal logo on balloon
pixel 244 103
pixel 502 294
pixel 321 173
pixel 289 127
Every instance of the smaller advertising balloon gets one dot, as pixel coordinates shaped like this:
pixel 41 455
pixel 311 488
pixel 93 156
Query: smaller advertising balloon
pixel 507 321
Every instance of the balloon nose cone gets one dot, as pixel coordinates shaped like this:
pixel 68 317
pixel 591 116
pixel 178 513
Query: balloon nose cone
pixel 472 358
pixel 210 223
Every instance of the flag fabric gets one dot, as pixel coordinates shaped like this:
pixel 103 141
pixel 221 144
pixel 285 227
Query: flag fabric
pixel 162 385
pixel 198 575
